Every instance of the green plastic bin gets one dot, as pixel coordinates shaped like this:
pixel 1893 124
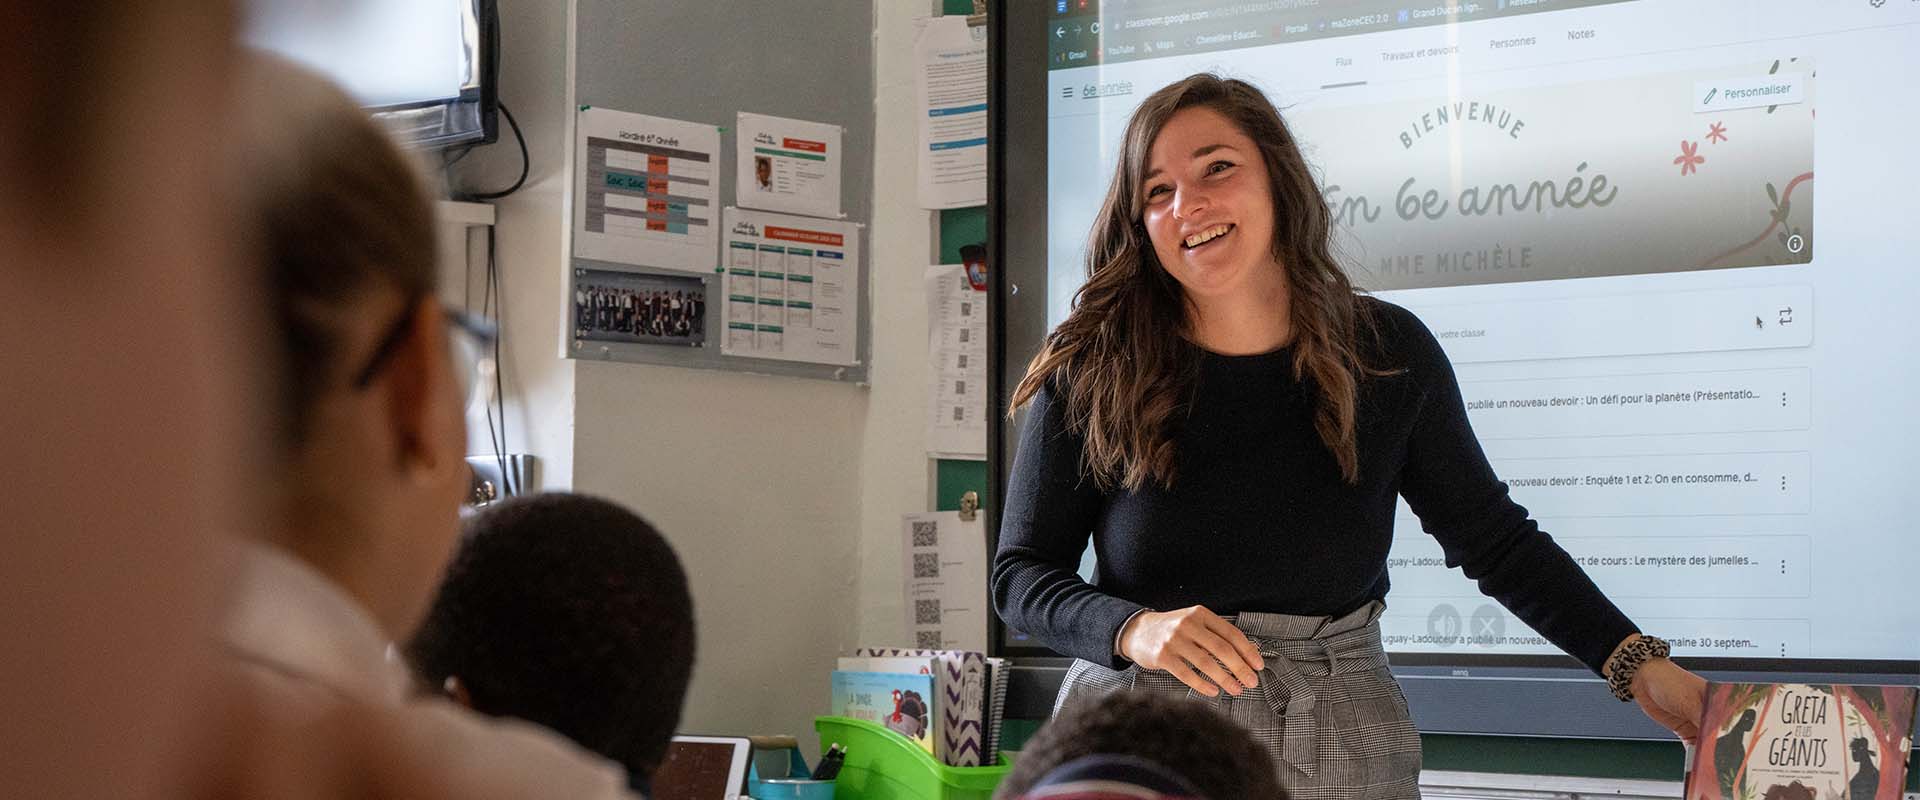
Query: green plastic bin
pixel 883 765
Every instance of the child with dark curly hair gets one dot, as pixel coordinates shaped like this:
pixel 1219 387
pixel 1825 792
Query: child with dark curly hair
pixel 1119 744
pixel 571 612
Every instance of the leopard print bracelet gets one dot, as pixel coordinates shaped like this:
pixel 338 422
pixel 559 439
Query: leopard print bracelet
pixel 1626 662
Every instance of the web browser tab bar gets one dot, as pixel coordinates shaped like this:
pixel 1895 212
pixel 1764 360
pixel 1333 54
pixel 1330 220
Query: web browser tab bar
pixel 1132 32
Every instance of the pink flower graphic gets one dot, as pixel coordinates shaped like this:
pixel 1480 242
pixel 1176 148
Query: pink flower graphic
pixel 1717 133
pixel 1689 158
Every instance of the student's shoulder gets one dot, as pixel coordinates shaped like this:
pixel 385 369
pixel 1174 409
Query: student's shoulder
pixel 504 758
pixel 425 749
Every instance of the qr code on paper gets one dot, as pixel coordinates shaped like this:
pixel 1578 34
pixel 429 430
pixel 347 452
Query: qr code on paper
pixel 926 565
pixel 926 534
pixel 926 640
pixel 926 612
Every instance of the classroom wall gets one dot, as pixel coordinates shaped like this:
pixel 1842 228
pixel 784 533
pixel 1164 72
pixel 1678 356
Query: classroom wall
pixel 750 478
pixel 756 480
pixel 897 477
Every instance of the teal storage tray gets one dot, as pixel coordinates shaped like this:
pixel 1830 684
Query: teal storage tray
pixel 883 765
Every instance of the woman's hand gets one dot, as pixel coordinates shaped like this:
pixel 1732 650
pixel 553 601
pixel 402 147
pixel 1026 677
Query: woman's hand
pixel 1672 696
pixel 1194 645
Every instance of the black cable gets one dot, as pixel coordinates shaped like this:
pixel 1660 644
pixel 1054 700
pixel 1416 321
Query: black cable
pixel 526 164
pixel 491 299
pixel 499 364
pixel 495 435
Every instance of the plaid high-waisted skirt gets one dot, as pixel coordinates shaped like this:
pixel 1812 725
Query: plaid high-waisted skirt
pixel 1326 707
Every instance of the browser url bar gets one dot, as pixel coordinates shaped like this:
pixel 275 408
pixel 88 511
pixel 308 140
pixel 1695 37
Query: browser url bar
pixel 1209 14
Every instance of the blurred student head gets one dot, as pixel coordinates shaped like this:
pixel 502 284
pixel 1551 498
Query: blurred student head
pixel 372 430
pixel 1213 754
pixel 571 612
pixel 1106 777
pixel 123 406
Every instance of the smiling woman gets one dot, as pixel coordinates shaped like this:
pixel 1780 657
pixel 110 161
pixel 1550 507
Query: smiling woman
pixel 1210 217
pixel 1201 153
pixel 1232 424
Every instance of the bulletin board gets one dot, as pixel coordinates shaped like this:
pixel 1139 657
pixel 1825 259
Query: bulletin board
pixel 635 58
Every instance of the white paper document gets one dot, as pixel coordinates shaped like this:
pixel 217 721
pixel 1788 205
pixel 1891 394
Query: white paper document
pixel 792 288
pixel 645 191
pixel 945 564
pixel 957 355
pixel 952 84
pixel 787 165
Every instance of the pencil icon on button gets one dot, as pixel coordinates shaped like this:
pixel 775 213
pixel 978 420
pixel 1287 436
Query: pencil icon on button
pixel 1710 93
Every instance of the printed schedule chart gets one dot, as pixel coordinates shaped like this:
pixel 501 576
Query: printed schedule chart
pixel 647 193
pixel 790 288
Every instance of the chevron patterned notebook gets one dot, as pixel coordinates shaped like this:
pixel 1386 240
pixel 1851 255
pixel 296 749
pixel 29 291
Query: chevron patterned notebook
pixel 960 689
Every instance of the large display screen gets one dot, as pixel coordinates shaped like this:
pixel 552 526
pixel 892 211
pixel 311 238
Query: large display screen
pixel 423 66
pixel 1667 244
pixel 384 52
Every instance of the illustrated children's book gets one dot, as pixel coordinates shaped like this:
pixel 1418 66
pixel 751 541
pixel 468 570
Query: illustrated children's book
pixel 1793 741
pixel 960 694
pixel 898 701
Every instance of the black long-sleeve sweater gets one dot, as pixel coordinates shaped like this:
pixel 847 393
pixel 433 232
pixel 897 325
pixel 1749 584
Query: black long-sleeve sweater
pixel 1260 519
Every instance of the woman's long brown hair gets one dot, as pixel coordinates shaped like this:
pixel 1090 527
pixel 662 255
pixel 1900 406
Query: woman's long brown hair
pixel 1121 359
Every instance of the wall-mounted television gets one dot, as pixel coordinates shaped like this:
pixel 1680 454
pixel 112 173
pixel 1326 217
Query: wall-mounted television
pixel 426 69
pixel 1677 299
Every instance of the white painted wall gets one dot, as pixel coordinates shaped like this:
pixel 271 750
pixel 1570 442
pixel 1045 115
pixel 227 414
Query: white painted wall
pixel 753 480
pixel 896 475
